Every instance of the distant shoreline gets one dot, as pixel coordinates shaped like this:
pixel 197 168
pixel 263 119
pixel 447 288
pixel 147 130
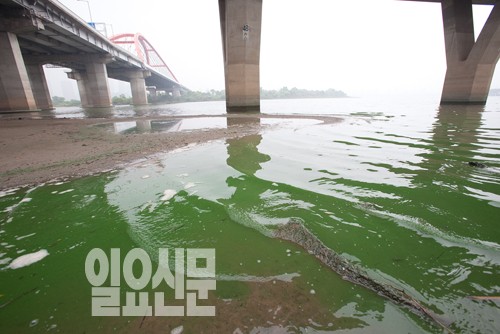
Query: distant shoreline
pixel 216 95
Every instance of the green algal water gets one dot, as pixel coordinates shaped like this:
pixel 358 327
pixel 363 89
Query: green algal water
pixel 396 197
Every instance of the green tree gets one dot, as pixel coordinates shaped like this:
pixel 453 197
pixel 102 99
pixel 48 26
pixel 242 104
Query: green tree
pixel 121 99
pixel 59 101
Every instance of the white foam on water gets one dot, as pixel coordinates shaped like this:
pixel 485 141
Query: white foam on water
pixel 250 278
pixel 34 188
pixel 11 208
pixel 487 249
pixel 168 194
pixel 189 185
pixel 184 148
pixel 25 236
pixel 8 192
pixel 66 191
pixel 28 259
pixel 145 177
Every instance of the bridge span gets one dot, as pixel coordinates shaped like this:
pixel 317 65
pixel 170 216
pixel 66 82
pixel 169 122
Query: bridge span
pixel 38 32
pixel 470 63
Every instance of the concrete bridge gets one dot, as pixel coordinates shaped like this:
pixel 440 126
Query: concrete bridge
pixel 38 32
pixel 470 63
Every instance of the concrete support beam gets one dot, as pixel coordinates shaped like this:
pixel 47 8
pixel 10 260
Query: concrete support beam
pixel 39 86
pixel 99 94
pixel 241 30
pixel 15 87
pixel 470 64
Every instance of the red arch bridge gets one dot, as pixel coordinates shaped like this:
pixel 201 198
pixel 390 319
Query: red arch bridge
pixel 37 33
pixel 162 78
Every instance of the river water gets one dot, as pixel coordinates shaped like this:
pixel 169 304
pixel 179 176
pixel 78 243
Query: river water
pixel 388 186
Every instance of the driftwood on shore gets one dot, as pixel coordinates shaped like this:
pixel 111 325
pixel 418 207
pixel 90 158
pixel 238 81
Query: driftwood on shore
pixel 297 233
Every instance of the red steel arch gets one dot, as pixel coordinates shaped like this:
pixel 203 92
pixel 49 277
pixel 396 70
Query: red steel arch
pixel 139 45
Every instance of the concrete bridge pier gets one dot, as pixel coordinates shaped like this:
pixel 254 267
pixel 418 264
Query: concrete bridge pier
pixel 97 84
pixel 137 80
pixel 81 81
pixel 470 64
pixel 39 86
pixel 93 85
pixel 240 22
pixel 138 87
pixel 15 86
pixel 176 92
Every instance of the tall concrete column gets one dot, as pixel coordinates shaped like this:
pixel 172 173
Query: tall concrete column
pixel 81 81
pixel 138 87
pixel 15 87
pixel 470 65
pixel 39 86
pixel 241 29
pixel 97 85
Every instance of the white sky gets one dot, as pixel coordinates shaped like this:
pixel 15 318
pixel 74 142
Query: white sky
pixel 361 47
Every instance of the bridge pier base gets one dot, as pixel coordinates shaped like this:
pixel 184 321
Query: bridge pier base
pixel 241 33
pixel 470 64
pixel 15 87
pixel 39 86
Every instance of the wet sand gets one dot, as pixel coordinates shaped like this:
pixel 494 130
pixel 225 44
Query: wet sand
pixel 34 151
pixel 270 307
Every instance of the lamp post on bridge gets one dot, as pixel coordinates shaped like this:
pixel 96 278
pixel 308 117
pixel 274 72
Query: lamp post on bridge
pixel 90 12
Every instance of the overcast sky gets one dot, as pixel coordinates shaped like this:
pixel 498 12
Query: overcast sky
pixel 362 47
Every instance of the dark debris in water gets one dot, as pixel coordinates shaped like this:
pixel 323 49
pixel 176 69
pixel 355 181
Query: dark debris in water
pixel 297 233
pixel 477 164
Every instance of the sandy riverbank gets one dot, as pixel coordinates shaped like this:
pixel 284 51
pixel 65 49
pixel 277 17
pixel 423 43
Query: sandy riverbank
pixel 38 150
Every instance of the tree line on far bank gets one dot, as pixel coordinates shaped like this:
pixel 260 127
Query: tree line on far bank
pixel 214 95
pixel 220 95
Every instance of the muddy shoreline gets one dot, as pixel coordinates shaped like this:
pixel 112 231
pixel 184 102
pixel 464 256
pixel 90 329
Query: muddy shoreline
pixel 39 150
